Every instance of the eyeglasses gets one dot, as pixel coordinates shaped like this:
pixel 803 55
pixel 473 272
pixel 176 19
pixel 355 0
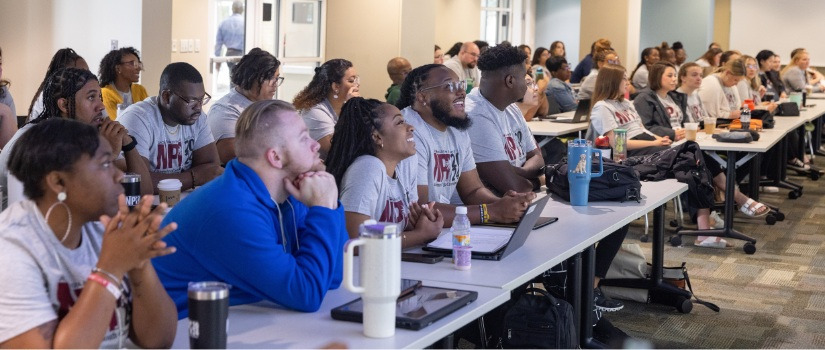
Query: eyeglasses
pixel 274 81
pixel 532 85
pixel 133 64
pixel 194 101
pixel 752 66
pixel 355 81
pixel 611 62
pixel 452 86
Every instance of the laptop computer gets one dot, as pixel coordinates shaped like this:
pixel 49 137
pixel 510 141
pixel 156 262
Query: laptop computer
pixel 582 114
pixel 517 239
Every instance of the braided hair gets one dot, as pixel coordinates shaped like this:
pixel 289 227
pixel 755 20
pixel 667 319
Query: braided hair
pixel 353 135
pixel 331 71
pixel 64 83
pixel 108 65
pixel 254 68
pixel 412 82
pixel 62 58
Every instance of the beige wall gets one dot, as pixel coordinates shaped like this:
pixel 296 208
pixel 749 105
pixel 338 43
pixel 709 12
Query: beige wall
pixel 721 23
pixel 456 20
pixel 417 40
pixel 26 39
pixel 156 42
pixel 616 20
pixel 190 20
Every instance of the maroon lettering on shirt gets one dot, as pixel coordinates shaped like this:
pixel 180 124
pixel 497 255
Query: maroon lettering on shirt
pixel 66 301
pixel 169 156
pixel 446 167
pixel 393 211
pixel 623 117
pixel 511 148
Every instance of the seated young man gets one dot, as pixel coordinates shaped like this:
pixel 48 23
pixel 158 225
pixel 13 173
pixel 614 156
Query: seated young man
pixel 558 89
pixel 171 130
pixel 397 68
pixel 503 146
pixel 269 226
pixel 432 101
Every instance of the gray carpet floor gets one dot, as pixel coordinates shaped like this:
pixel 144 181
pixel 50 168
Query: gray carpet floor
pixel 774 298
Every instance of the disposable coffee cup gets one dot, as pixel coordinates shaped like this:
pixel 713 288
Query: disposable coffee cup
pixel 710 125
pixel 208 314
pixel 131 189
pixel 169 191
pixel 690 131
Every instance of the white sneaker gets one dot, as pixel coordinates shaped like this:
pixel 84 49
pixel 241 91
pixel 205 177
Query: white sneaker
pixel 718 222
pixel 769 189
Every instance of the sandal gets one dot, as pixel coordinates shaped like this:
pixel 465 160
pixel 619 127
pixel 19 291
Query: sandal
pixel 712 242
pixel 716 221
pixel 753 209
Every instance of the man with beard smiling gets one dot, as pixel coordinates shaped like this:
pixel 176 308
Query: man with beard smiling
pixel 432 101
pixel 171 130
pixel 503 146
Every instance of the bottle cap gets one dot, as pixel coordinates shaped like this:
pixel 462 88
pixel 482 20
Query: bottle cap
pixel 461 210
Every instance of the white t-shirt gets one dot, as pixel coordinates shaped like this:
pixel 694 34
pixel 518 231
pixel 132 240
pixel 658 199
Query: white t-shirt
pixel 169 150
pixel 695 109
pixel 746 92
pixel 640 77
pixel 718 100
pixel 588 85
pixel 42 279
pixel 367 189
pixel 611 114
pixel 442 157
pixel 673 111
pixel 224 114
pixel 497 135
pixel 37 108
pixel 320 120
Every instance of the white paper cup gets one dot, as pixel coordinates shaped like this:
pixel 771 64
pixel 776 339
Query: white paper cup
pixel 169 191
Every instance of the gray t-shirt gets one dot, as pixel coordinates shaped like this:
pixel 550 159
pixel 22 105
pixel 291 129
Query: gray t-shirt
pixel 611 114
pixel 5 176
pixel 169 150
pixel 497 135
pixel 640 77
pixel 442 157
pixel 8 100
pixel 695 109
pixel 367 189
pixel 588 85
pixel 42 279
pixel 224 114
pixel 674 112
pixel 320 120
pixel 463 73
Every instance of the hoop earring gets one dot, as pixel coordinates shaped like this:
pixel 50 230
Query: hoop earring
pixel 60 198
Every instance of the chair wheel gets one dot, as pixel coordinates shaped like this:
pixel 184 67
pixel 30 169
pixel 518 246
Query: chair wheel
pixel 684 305
pixel 793 195
pixel 770 219
pixel 814 175
pixel 749 248
pixel 644 238
pixel 674 223
pixel 780 216
pixel 676 241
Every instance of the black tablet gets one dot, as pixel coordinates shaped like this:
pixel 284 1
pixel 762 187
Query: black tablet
pixel 416 310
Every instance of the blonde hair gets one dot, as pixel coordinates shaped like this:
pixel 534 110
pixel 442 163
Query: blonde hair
pixel 256 129
pixel 755 83
pixel 608 84
pixel 735 67
pixel 794 61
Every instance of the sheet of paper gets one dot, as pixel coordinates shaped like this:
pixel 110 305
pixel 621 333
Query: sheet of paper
pixel 482 239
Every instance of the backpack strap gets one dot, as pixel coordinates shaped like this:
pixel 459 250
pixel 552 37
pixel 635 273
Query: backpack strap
pixel 709 305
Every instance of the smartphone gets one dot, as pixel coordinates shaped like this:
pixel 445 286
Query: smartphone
pixel 421 258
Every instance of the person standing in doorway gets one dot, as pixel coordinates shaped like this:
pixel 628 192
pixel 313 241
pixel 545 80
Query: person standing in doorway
pixel 231 35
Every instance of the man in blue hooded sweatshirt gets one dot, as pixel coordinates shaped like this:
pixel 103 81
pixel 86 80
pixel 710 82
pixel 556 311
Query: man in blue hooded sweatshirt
pixel 270 226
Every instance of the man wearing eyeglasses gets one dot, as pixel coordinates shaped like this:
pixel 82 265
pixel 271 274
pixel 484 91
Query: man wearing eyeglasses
pixel 464 64
pixel 432 101
pixel 503 146
pixel 171 130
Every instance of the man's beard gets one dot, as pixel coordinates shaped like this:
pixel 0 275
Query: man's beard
pixel 442 114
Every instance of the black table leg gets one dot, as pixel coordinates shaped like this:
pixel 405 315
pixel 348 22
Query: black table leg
pixel 588 259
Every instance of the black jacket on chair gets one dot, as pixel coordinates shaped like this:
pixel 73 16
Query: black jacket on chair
pixel 653 113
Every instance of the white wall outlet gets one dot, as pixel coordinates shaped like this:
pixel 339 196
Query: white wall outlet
pixel 184 46
pixel 114 44
pixel 197 45
pixel 174 45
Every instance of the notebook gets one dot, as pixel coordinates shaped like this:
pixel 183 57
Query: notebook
pixel 492 243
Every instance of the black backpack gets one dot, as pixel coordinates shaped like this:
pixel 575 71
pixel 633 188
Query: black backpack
pixel 538 321
pixel 618 183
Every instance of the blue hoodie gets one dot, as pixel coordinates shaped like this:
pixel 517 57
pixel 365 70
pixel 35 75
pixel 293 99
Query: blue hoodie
pixel 229 231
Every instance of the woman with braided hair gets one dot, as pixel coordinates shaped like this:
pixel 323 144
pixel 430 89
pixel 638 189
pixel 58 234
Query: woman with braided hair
pixel 320 103
pixel 256 78
pixel 63 58
pixel 373 160
pixel 74 93
pixel 119 73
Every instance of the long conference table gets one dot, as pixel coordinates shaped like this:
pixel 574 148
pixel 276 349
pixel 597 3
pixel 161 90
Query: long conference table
pixel 265 325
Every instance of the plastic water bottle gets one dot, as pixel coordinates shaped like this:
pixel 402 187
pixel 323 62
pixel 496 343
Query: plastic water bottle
pixel 745 118
pixel 462 251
